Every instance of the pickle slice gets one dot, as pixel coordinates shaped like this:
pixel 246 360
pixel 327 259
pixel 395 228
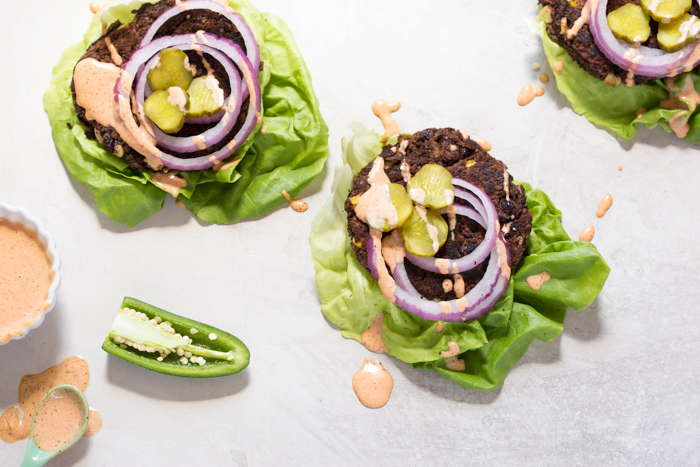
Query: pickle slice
pixel 206 97
pixel 417 237
pixel 171 71
pixel 166 115
pixel 402 202
pixel 432 187
pixel 665 11
pixel 677 34
pixel 630 23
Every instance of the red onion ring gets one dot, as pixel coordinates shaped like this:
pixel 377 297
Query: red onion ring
pixel 654 63
pixel 141 56
pixel 213 135
pixel 481 252
pixel 206 120
pixel 251 45
pixel 474 304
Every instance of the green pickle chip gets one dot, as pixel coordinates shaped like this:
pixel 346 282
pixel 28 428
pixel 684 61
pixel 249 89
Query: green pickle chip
pixel 630 23
pixel 432 187
pixel 677 34
pixel 166 115
pixel 416 236
pixel 665 11
pixel 170 71
pixel 202 101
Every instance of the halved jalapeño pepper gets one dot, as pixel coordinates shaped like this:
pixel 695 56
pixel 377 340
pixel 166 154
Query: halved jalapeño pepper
pixel 164 342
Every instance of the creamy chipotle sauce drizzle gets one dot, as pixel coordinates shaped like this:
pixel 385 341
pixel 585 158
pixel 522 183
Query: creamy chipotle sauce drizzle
pixel 686 103
pixel 485 145
pixel 587 234
pixel 447 285
pixel 297 205
pixel 559 67
pixel 383 110
pixel 455 364
pixel 453 350
pixel 535 281
pixel 169 182
pixel 580 21
pixel 218 165
pixel 25 278
pixel 604 205
pixel 15 423
pixel 116 58
pixel 459 286
pixel 372 384
pixel 94 89
pixel 372 336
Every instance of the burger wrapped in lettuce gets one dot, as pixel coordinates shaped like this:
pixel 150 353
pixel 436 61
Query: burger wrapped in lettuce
pixel 206 100
pixel 622 63
pixel 429 251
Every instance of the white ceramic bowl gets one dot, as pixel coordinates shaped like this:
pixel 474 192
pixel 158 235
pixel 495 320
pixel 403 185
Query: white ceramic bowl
pixel 21 216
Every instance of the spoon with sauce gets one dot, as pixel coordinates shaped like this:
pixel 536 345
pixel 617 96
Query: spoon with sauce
pixel 59 422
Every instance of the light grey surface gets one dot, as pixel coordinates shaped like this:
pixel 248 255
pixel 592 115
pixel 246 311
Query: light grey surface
pixel 618 387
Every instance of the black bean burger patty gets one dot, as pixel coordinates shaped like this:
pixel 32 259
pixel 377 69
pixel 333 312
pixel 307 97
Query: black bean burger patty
pixel 448 148
pixel 582 48
pixel 126 39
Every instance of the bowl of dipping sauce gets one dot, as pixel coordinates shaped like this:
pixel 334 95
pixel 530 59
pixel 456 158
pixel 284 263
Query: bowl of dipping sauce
pixel 29 273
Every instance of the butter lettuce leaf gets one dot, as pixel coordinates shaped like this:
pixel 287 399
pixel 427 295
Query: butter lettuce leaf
pixel 616 108
pixel 491 345
pixel 289 154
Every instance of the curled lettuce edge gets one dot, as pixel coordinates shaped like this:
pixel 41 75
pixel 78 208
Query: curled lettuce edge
pixel 290 153
pixel 490 345
pixel 616 108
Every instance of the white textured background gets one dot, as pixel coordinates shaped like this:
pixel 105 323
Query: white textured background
pixel 619 387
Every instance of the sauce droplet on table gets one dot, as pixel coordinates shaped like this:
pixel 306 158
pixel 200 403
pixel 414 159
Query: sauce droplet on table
pixel 587 234
pixel 297 205
pixel 604 205
pixel 383 110
pixel 372 384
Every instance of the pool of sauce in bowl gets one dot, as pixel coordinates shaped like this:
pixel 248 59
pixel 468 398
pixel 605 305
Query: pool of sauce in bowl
pixel 372 384
pixel 25 278
pixel 58 420
pixel 15 423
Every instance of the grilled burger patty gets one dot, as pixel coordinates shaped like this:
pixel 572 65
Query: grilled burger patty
pixel 450 149
pixel 126 40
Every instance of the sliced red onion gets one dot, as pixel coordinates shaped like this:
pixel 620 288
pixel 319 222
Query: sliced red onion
pixel 251 45
pixel 466 211
pixel 233 104
pixel 474 304
pixel 654 63
pixel 480 201
pixel 146 53
pixel 471 199
pixel 206 119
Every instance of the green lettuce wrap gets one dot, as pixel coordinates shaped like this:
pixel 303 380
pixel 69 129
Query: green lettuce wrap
pixel 287 156
pixel 617 108
pixel 490 345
